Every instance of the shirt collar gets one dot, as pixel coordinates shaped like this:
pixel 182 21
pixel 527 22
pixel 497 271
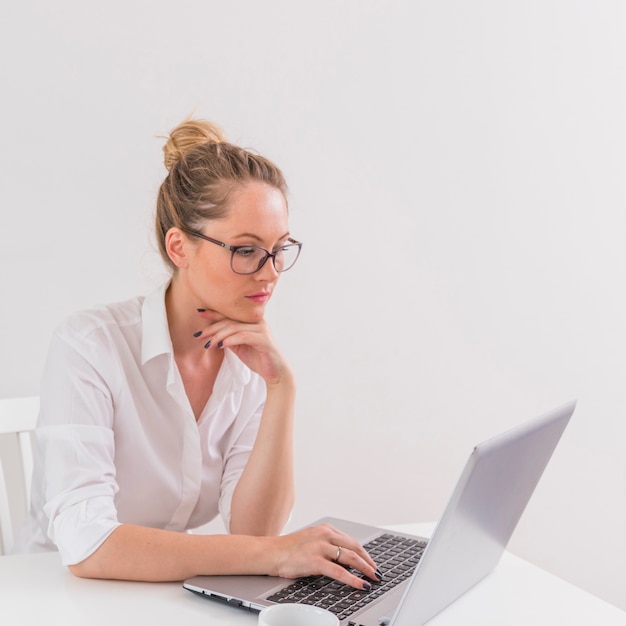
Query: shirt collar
pixel 155 339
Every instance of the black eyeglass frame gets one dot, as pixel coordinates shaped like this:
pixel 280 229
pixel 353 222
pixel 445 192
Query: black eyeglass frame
pixel 233 250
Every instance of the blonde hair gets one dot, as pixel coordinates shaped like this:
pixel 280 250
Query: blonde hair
pixel 203 170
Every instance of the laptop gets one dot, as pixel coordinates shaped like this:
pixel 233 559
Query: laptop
pixel 423 576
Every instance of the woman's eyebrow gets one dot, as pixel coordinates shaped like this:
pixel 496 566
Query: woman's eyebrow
pixel 253 236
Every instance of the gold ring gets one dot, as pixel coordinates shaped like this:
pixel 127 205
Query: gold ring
pixel 336 559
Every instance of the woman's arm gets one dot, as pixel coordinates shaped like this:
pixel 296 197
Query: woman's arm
pixel 149 554
pixel 265 493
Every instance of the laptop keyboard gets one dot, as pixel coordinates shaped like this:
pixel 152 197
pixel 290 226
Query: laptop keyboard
pixel 395 556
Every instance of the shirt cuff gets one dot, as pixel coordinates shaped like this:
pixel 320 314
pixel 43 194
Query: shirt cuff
pixel 82 528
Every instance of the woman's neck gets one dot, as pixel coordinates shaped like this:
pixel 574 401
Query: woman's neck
pixel 183 320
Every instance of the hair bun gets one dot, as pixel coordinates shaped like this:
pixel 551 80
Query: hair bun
pixel 188 135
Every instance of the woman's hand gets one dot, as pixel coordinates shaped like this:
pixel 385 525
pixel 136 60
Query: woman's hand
pixel 251 342
pixel 323 550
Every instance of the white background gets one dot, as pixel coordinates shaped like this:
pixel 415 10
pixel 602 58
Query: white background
pixel 457 175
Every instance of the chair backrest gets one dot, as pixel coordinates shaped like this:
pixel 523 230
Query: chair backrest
pixel 18 417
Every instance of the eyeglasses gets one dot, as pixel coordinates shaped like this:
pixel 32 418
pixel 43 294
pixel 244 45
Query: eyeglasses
pixel 250 259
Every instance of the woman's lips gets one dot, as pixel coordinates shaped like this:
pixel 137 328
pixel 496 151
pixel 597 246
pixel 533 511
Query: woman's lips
pixel 259 297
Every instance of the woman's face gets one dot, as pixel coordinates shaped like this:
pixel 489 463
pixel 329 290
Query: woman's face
pixel 257 216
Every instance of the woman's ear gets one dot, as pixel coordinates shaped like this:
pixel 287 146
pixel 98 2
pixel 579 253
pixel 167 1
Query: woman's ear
pixel 177 247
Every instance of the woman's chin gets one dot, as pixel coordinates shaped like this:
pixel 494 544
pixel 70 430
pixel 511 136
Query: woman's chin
pixel 250 316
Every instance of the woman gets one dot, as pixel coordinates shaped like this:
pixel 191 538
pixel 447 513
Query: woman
pixel 160 412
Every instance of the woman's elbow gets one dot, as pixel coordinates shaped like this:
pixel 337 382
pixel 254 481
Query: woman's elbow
pixel 84 569
pixel 91 567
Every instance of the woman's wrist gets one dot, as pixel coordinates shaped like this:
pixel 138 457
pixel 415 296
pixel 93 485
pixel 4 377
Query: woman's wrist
pixel 260 556
pixel 286 383
pixel 270 554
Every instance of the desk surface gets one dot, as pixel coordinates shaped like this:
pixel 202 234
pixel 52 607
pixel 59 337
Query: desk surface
pixel 36 588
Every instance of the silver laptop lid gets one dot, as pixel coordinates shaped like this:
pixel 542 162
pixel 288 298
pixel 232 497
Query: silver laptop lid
pixel 486 505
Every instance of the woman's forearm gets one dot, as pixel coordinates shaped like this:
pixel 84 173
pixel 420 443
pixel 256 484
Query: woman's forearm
pixel 150 554
pixel 264 495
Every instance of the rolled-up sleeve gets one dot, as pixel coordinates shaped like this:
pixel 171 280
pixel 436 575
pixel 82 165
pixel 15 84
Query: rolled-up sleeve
pixel 79 488
pixel 77 454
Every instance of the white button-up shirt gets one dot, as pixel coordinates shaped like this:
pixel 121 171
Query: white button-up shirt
pixel 117 440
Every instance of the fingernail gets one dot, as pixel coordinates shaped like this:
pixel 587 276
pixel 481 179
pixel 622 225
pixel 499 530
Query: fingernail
pixel 197 334
pixel 220 344
pixel 207 344
pixel 367 586
pixel 379 574
pixel 201 310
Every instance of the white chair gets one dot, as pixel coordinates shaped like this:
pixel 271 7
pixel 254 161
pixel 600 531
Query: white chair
pixel 18 417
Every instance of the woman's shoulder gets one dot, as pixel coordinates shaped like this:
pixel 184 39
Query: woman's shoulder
pixel 116 315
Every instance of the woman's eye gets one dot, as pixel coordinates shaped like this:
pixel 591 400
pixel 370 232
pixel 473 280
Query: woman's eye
pixel 246 251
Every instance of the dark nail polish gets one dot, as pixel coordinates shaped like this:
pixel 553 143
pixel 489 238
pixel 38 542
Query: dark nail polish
pixel 366 586
pixel 220 344
pixel 207 344
pixel 379 574
pixel 201 310
pixel 197 334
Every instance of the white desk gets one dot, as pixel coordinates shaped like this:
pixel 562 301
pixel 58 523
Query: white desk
pixel 37 589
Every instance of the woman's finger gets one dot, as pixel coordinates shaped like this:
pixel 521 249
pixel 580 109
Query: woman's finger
pixel 337 572
pixel 348 558
pixel 346 541
pixel 210 315
pixel 237 333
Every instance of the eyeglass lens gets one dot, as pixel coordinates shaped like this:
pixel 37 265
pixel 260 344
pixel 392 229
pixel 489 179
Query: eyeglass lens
pixel 250 259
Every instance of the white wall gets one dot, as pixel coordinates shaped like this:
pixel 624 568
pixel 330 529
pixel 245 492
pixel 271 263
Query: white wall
pixel 457 176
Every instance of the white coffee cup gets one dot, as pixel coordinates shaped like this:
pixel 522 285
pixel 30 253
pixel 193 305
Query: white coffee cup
pixel 296 615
